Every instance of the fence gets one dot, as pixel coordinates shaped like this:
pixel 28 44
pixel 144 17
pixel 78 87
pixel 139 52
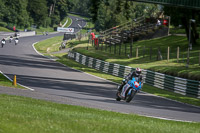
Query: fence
pixel 159 80
pixel 146 53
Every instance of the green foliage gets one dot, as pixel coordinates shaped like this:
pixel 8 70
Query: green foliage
pixel 80 6
pixel 38 11
pixel 24 13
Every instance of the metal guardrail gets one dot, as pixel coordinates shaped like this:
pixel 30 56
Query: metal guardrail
pixel 159 80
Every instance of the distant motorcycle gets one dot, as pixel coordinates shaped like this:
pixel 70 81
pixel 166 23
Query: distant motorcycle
pixel 3 43
pixel 16 41
pixel 129 90
pixel 10 40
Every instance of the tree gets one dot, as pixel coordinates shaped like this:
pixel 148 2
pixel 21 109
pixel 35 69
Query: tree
pixel 15 12
pixel 94 9
pixel 38 11
pixel 3 9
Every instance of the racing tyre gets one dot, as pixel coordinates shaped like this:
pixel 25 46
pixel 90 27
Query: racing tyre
pixel 130 96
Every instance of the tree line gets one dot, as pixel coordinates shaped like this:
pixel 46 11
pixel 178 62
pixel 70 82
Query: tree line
pixel 104 13
pixel 24 13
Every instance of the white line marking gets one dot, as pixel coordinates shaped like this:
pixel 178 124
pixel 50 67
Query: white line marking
pixel 79 26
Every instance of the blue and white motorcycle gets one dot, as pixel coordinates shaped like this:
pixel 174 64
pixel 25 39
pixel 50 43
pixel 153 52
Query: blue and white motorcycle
pixel 129 90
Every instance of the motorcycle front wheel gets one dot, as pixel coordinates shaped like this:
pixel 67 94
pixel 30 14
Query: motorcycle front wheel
pixel 131 94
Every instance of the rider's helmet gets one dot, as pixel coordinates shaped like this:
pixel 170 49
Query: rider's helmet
pixel 138 71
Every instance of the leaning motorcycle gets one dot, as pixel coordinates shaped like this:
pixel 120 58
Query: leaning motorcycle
pixel 129 90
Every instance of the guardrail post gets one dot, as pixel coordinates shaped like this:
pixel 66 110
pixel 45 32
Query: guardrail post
pixel 177 54
pixel 168 54
pixel 150 53
pixel 144 52
pixel 115 49
pixel 137 52
pixel 110 47
pixel 120 48
pixel 125 49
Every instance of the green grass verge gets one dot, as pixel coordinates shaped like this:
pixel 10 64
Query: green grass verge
pixel 7 83
pixel 49 45
pixel 20 114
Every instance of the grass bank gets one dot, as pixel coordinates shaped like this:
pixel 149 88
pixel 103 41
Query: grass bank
pixel 62 57
pixel 49 45
pixel 20 114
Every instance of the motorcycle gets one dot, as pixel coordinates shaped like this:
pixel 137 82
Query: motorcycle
pixel 10 40
pixel 16 41
pixel 3 43
pixel 129 90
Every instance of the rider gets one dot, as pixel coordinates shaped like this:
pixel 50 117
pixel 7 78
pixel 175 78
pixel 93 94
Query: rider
pixel 16 40
pixel 136 73
pixel 3 42
pixel 11 38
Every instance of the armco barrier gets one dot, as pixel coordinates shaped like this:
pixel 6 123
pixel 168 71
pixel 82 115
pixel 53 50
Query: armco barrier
pixel 159 80
pixel 29 33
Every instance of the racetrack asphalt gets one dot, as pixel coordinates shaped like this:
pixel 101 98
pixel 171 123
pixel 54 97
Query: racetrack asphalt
pixel 56 82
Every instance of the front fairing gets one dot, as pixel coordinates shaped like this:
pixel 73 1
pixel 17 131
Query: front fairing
pixel 132 83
